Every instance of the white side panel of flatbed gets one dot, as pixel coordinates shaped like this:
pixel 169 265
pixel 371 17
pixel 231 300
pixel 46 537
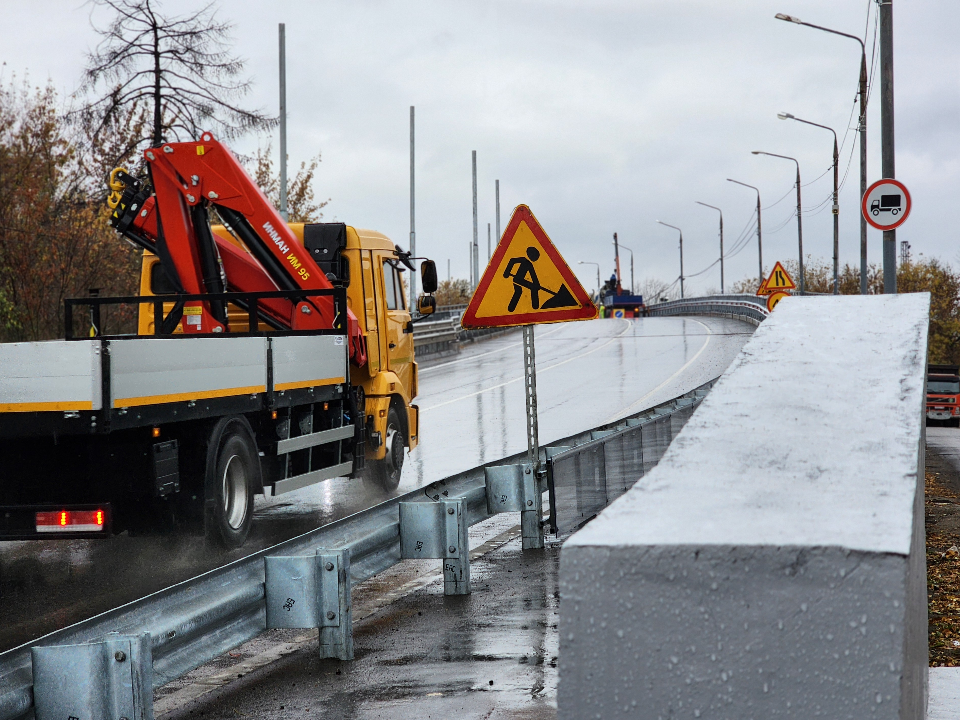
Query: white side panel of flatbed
pixel 306 361
pixel 50 376
pixel 150 371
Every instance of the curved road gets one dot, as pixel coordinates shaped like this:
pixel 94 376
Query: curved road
pixel 472 412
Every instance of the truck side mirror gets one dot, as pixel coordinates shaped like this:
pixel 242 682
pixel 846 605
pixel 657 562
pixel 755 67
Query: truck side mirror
pixel 426 304
pixel 428 276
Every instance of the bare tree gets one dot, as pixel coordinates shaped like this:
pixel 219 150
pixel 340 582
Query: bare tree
pixel 178 66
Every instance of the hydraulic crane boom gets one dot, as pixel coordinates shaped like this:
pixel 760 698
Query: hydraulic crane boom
pixel 171 219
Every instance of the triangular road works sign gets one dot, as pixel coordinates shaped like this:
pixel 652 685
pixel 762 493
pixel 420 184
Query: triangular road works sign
pixel 527 282
pixel 779 280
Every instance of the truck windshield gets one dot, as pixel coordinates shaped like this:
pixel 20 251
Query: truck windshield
pixel 943 387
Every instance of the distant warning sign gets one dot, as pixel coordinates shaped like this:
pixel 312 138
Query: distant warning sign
pixel 527 281
pixel 775 298
pixel 778 281
pixel 886 204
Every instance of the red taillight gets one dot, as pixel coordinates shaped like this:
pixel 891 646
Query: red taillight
pixel 70 521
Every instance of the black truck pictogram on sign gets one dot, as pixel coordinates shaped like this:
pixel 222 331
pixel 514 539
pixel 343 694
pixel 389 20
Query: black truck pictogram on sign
pixel 525 278
pixel 886 203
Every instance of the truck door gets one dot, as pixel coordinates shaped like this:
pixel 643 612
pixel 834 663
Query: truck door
pixel 371 280
pixel 399 343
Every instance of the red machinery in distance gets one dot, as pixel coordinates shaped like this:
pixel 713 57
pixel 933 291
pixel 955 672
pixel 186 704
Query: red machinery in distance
pixel 171 220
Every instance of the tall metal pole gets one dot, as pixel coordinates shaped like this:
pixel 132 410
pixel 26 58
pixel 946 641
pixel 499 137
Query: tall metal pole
pixel 475 280
pixel 531 521
pixel 721 240
pixel 498 211
pixel 836 205
pixel 681 252
pixel 759 243
pixel 413 228
pixel 616 257
pixel 799 209
pixel 863 133
pixel 283 123
pixel 800 232
pixel 633 285
pixel 681 264
pixel 887 147
pixel 863 168
pixel 759 234
pixel 836 218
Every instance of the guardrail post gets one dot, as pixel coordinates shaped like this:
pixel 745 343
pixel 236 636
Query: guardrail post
pixel 108 679
pixel 515 488
pixel 312 591
pixel 438 530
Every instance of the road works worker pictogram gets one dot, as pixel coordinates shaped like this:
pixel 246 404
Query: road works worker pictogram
pixel 526 278
pixel 527 281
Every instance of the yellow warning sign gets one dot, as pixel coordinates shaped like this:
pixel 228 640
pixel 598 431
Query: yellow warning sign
pixel 775 298
pixel 779 280
pixel 527 281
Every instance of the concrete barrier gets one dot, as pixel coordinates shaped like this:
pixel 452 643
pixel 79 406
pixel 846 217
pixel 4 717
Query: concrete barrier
pixel 773 564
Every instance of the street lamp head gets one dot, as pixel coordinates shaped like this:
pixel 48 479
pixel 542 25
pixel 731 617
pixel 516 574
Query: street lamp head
pixel 755 152
pixel 785 116
pixel 788 18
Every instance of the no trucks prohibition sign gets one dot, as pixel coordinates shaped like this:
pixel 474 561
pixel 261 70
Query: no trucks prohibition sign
pixel 886 204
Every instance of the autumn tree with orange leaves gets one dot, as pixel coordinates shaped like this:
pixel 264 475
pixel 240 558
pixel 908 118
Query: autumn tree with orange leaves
pixel 55 241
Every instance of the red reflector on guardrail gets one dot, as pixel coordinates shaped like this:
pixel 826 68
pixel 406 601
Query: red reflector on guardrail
pixel 71 521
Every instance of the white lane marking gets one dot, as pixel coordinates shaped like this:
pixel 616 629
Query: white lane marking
pixel 539 370
pixel 472 357
pixel 627 410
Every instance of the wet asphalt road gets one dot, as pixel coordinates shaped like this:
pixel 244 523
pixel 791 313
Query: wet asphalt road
pixel 472 412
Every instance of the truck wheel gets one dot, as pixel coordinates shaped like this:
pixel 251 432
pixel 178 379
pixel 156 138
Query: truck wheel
pixel 233 468
pixel 385 474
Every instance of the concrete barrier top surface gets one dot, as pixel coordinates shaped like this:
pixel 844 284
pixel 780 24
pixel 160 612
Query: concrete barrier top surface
pixel 843 376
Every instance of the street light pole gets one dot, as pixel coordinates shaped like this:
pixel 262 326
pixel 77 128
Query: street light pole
pixel 836 201
pixel 759 236
pixel 587 262
pixel 721 240
pixel 863 132
pixel 632 283
pixel 681 253
pixel 887 137
pixel 799 220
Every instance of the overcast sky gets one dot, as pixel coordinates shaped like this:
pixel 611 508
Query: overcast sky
pixel 601 116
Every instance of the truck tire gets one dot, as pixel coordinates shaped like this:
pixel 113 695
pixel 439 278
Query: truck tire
pixel 385 474
pixel 233 474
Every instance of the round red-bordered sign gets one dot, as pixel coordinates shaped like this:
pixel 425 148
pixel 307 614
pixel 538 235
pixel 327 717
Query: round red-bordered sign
pixel 886 204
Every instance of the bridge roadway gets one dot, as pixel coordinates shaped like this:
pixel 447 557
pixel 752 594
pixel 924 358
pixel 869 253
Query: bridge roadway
pixel 472 412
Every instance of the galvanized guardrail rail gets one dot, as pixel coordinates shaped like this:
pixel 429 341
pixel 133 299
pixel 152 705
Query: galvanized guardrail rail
pixel 749 308
pixel 109 665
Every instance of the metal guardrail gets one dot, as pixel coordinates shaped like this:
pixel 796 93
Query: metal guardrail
pixel 433 336
pixel 749 308
pixel 169 633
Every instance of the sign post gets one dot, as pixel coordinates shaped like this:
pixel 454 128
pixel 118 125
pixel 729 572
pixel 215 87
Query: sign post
pixel 526 283
pixel 531 520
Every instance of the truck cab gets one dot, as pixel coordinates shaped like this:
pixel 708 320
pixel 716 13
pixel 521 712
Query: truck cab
pixel 943 393
pixel 371 268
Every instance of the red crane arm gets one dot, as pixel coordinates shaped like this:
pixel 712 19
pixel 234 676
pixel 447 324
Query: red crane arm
pixel 189 176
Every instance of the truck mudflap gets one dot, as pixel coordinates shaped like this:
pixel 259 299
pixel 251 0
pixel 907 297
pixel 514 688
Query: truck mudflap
pixel 55 522
pixel 413 423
